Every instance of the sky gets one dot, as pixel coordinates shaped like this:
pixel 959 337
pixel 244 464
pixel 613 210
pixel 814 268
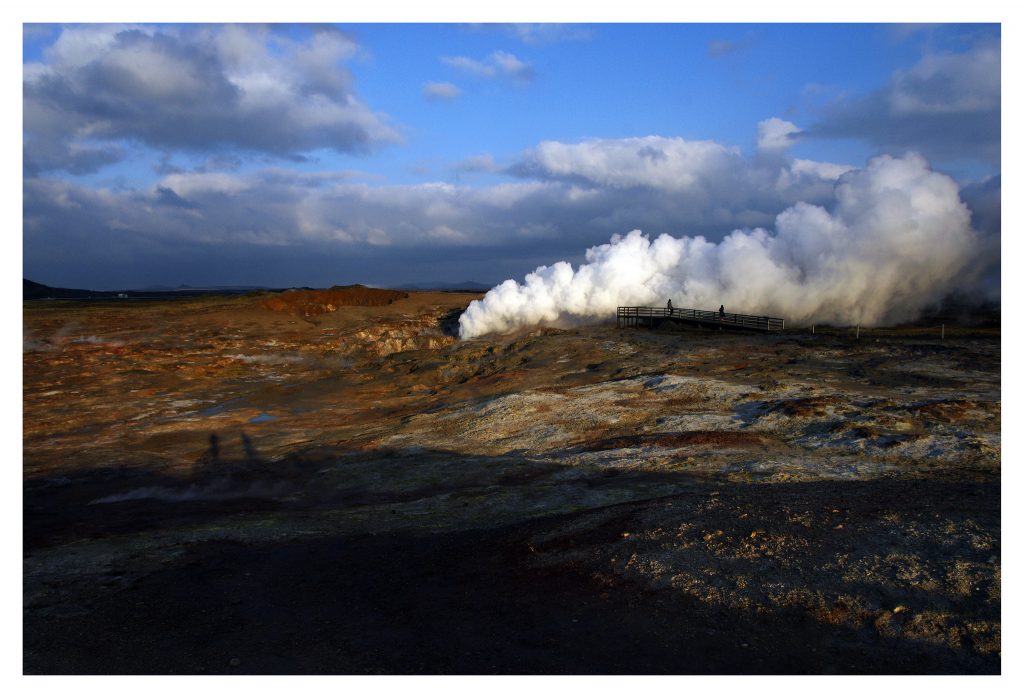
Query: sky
pixel 392 154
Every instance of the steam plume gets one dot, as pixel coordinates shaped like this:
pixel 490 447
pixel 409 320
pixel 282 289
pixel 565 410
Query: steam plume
pixel 897 239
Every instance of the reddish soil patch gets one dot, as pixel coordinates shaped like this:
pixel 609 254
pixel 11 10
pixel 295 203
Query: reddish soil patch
pixel 943 410
pixel 681 439
pixel 318 302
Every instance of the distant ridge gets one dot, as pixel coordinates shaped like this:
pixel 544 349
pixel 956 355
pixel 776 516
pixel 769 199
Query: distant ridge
pixel 186 287
pixel 33 290
pixel 471 286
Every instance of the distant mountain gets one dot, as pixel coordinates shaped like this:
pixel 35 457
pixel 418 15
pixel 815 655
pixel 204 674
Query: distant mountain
pixel 186 287
pixel 32 290
pixel 474 286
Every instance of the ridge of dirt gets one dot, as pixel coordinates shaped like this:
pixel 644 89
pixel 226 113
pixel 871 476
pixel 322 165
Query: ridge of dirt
pixel 308 302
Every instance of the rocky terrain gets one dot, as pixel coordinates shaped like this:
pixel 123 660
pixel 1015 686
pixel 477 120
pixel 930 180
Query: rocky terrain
pixel 243 485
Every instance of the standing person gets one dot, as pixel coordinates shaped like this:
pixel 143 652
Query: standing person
pixel 721 312
pixel 669 306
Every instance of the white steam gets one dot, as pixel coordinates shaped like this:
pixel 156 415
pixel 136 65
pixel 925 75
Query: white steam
pixel 898 239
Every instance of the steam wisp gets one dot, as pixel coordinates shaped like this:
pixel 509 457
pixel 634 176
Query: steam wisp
pixel 897 239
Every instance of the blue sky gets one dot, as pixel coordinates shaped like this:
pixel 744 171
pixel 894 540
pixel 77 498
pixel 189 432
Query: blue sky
pixel 391 153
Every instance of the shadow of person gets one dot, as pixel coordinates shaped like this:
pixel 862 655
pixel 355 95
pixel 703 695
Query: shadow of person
pixel 251 455
pixel 214 449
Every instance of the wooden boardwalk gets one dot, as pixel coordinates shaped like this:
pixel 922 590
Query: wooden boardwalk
pixel 636 316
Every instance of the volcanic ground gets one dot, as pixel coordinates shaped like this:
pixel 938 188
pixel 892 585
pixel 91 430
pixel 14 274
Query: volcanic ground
pixel 288 484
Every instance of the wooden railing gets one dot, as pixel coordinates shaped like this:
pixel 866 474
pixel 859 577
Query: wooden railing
pixel 635 316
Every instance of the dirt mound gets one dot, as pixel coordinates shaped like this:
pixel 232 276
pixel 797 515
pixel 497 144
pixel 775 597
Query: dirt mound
pixel 309 302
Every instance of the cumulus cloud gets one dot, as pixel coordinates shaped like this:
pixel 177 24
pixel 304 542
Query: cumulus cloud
pixel 651 161
pixel 278 227
pixel 896 238
pixel 197 88
pixel 776 135
pixel 703 183
pixel 498 64
pixel 569 196
pixel 440 91
pixel 328 227
pixel 946 106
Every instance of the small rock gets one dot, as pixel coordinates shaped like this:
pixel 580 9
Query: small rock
pixel 900 609
pixel 235 662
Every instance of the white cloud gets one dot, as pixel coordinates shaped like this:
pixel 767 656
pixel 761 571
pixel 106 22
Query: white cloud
pixel 498 64
pixel 510 65
pixel 649 161
pixel 568 197
pixel 468 65
pixel 572 190
pixel 775 135
pixel 440 91
pixel 949 83
pixel 946 106
pixel 819 170
pixel 187 184
pixel 192 88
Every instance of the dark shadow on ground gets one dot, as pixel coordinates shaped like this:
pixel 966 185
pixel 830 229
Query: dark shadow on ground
pixel 448 603
pixel 424 600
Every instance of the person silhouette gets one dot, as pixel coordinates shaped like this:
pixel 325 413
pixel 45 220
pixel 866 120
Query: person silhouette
pixel 721 312
pixel 669 306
